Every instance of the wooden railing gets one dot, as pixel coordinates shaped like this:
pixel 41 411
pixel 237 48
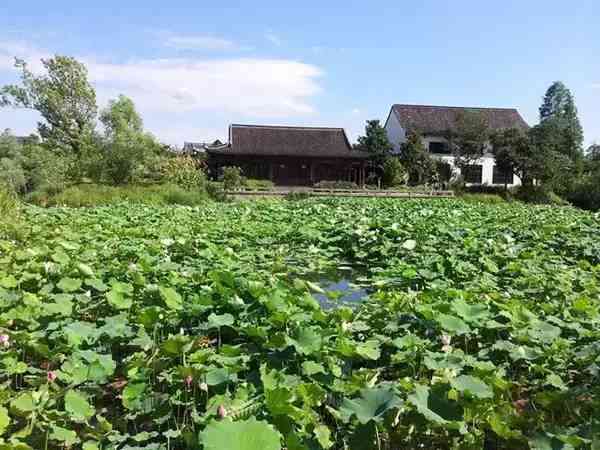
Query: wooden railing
pixel 342 193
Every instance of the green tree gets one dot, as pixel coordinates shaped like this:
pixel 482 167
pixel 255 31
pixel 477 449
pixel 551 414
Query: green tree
pixel 418 162
pixel 125 145
pixel 394 173
pixel 469 138
pixel 12 173
pixel 121 116
pixel 64 98
pixel 560 126
pixel 375 142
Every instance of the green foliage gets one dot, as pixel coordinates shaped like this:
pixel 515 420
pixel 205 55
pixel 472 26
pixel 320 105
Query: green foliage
pixel 232 178
pixel 394 173
pixel 86 195
pixel 258 185
pixel 469 138
pixel 558 115
pixel 538 194
pixel 375 142
pixel 121 117
pixel 184 171
pixel 329 184
pixel 9 204
pixel 171 327
pixel 419 164
pixel 63 97
pixel 243 435
pixel 125 147
pixel 297 196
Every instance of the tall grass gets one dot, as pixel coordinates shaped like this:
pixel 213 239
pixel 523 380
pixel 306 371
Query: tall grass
pixel 85 195
pixel 10 209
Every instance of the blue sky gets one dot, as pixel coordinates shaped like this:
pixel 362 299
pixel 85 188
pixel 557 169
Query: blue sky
pixel 195 66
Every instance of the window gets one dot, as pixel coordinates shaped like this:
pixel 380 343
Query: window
pixel 444 171
pixel 439 147
pixel 502 177
pixel 473 174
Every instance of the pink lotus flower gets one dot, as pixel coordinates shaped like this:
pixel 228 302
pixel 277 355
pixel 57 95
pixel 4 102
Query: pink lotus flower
pixel 4 340
pixel 221 412
pixel 51 376
pixel 188 381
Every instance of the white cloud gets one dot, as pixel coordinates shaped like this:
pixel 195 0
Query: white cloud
pixel 595 85
pixel 180 93
pixel 198 42
pixel 356 111
pixel 248 86
pixel 273 38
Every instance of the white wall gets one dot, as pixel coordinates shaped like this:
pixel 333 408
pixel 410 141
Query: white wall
pixel 395 132
pixel 397 136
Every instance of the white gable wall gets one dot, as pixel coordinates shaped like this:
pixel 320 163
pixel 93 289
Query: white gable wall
pixel 397 136
pixel 395 132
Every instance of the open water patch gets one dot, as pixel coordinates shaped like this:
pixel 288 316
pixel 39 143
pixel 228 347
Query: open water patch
pixel 342 286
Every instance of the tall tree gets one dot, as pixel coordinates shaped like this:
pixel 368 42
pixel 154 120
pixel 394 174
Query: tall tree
pixel 375 142
pixel 418 162
pixel 469 138
pixel 64 98
pixel 121 116
pixel 560 124
pixel 515 152
pixel 126 146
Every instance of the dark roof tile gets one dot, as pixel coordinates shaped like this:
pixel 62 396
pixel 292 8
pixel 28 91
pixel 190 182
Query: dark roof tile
pixel 266 140
pixel 440 119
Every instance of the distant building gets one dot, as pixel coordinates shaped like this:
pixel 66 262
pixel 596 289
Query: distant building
pixel 198 148
pixel 290 156
pixel 435 122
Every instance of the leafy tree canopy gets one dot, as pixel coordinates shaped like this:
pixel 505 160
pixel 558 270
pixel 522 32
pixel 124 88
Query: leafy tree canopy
pixel 375 141
pixel 64 98
pixel 469 138
pixel 121 116
pixel 418 162
pixel 560 126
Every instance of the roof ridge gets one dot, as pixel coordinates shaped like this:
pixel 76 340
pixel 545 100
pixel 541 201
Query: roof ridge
pixel 292 127
pixel 458 107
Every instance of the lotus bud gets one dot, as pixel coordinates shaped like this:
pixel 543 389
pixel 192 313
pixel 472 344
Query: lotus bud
pixel 188 381
pixel 446 339
pixel 4 340
pixel 51 376
pixel 221 412
pixel 204 387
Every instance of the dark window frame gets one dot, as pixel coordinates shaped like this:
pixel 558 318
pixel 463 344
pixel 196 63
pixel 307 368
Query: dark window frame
pixel 442 148
pixel 473 174
pixel 500 177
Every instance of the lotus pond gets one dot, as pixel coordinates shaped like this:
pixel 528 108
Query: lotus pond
pixel 134 327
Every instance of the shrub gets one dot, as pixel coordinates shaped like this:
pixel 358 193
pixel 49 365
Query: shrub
pixel 9 203
pixel 336 185
pixel 483 198
pixel 585 194
pixel 84 195
pixel 232 178
pixel 394 173
pixel 215 191
pixel 184 171
pixel 298 195
pixel 12 175
pixel 538 194
pixel 261 185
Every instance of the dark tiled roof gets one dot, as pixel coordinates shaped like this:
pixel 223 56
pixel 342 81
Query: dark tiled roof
pixel 288 141
pixel 199 147
pixel 440 119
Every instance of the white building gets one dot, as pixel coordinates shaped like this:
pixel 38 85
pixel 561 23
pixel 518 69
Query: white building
pixel 435 122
